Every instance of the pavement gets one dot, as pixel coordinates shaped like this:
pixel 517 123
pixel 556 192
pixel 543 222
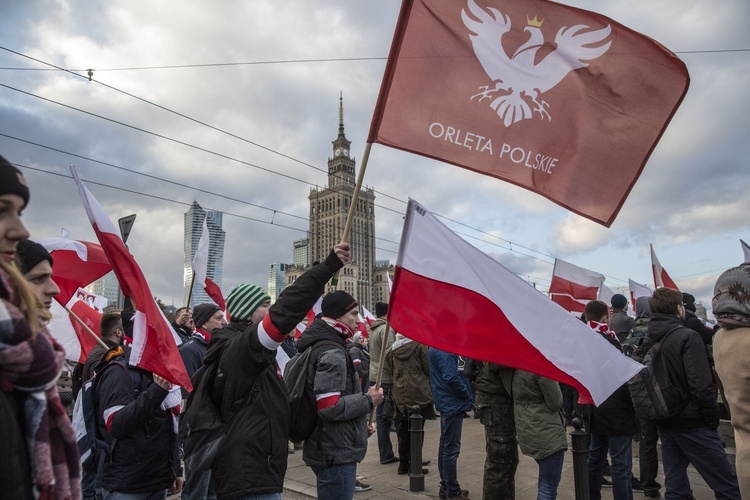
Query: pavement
pixel 387 484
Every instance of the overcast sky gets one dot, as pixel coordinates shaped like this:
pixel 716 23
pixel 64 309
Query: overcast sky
pixel 172 120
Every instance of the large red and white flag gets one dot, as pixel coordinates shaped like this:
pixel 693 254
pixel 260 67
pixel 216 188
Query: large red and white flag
pixel 69 332
pixel 661 278
pixel 573 287
pixel 638 290
pixel 745 251
pixel 200 268
pixel 154 346
pixel 76 264
pixel 449 295
pixel 542 95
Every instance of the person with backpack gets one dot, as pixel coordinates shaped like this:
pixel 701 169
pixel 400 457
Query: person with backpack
pixel 339 439
pixel 136 415
pixel 247 389
pixel 690 437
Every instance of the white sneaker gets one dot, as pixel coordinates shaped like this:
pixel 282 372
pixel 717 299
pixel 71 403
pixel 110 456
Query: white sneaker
pixel 360 486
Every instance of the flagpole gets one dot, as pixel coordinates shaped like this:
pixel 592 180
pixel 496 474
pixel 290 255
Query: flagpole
pixel 86 327
pixel 382 362
pixel 352 207
pixel 190 291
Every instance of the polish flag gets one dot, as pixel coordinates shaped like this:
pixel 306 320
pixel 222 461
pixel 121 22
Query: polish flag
pixel 745 251
pixel 638 290
pixel 449 295
pixel 369 317
pixel 661 278
pixel 200 266
pixel 76 264
pixel 605 294
pixel 362 327
pixel 573 287
pixel 154 346
pixel 309 317
pixel 69 332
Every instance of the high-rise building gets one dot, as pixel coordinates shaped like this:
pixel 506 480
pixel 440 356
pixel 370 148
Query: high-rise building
pixel 107 287
pixel 329 208
pixel 300 252
pixel 193 229
pixel 276 280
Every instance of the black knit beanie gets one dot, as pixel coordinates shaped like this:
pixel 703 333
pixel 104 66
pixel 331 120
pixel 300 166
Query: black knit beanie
pixel 337 303
pixel 204 312
pixel 12 181
pixel 30 253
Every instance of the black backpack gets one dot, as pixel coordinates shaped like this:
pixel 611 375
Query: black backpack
pixel 92 448
pixel 654 396
pixel 298 378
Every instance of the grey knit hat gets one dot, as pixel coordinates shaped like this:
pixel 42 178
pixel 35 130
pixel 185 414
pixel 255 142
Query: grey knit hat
pixel 243 300
pixel 731 302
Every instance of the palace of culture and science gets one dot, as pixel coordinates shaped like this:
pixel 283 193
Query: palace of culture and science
pixel 363 277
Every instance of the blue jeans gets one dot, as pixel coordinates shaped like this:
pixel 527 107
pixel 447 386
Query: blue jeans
pixel 336 482
pixel 118 495
pixel 620 449
pixel 702 448
pixel 448 450
pixel 550 472
pixel 198 486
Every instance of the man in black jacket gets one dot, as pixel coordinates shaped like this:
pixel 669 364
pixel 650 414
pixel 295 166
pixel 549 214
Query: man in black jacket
pixel 691 436
pixel 249 390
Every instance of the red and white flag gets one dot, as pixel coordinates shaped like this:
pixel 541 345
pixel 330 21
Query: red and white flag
pixel 309 317
pixel 745 251
pixel 638 290
pixel 200 267
pixel 369 317
pixel 449 295
pixel 154 346
pixel 573 287
pixel 542 95
pixel 76 264
pixel 605 294
pixel 661 278
pixel 69 332
pixel 362 327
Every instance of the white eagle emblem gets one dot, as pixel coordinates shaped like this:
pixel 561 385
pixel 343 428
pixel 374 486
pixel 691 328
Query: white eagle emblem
pixel 517 81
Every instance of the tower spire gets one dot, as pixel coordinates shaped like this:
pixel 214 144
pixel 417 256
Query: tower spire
pixel 341 113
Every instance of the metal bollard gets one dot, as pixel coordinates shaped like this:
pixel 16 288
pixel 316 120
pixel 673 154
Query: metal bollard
pixel 580 460
pixel 416 434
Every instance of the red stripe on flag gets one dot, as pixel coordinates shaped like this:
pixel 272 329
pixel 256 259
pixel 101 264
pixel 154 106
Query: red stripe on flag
pixel 445 309
pixel 566 292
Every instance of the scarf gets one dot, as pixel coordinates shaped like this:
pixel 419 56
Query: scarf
pixel 31 366
pixel 340 327
pixel 602 328
pixel 202 334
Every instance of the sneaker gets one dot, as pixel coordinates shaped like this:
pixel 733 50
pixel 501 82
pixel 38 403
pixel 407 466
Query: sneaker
pixel 606 482
pixel 637 484
pixel 360 486
pixel 443 496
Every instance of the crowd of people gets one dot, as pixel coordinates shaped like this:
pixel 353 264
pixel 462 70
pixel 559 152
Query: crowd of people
pixel 400 381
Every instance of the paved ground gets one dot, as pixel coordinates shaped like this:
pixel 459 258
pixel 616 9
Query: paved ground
pixel 387 484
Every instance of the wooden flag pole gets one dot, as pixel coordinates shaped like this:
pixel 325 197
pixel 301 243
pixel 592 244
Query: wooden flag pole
pixel 86 327
pixel 190 292
pixel 379 378
pixel 352 207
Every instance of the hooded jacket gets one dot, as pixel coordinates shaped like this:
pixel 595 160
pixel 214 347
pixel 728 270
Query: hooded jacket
pixel 687 363
pixel 537 406
pixel 410 364
pixel 341 434
pixel 451 391
pixel 250 392
pixel 376 344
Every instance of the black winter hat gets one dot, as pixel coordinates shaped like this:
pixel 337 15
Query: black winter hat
pixel 337 303
pixel 688 301
pixel 30 253
pixel 203 312
pixel 381 309
pixel 619 301
pixel 12 181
